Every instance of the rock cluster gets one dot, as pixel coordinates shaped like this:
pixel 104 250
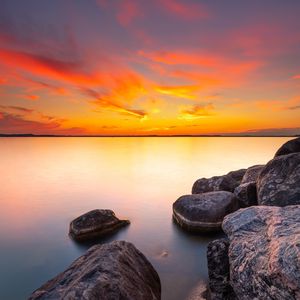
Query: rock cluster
pixel 261 258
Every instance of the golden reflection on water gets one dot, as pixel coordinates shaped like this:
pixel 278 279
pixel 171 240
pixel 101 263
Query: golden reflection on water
pixel 36 172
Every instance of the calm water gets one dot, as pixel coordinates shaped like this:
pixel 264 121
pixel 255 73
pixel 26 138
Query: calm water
pixel 46 182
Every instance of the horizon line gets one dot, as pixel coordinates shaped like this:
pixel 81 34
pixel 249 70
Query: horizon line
pixel 152 135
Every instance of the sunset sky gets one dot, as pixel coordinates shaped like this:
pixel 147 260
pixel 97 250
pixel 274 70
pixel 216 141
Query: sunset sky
pixel 119 67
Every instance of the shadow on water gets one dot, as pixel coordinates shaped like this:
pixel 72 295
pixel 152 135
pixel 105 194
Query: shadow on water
pixel 110 237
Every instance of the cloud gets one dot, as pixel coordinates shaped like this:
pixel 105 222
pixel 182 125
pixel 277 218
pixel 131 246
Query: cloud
pixel 187 92
pixel 296 77
pixel 196 112
pixel 184 10
pixel 47 67
pixel 279 105
pixel 104 101
pixel 128 11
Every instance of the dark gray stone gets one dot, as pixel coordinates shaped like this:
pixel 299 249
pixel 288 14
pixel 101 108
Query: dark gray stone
pixel 264 252
pixel 279 181
pixel 110 271
pixel 252 173
pixel 291 146
pixel 204 212
pixel 218 270
pixel 226 182
pixel 95 224
pixel 246 194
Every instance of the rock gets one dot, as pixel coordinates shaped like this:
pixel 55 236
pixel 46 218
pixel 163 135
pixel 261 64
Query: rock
pixel 252 173
pixel 110 271
pixel 203 212
pixel 199 292
pixel 95 224
pixel 291 146
pixel 246 194
pixel 264 252
pixel 226 182
pixel 279 181
pixel 218 270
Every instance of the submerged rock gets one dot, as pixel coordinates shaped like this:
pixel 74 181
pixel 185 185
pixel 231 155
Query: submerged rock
pixel 279 181
pixel 246 194
pixel 226 182
pixel 218 270
pixel 264 252
pixel 291 146
pixel 94 224
pixel 204 212
pixel 110 271
pixel 252 174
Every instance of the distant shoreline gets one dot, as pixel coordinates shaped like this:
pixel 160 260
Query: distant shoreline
pixel 118 136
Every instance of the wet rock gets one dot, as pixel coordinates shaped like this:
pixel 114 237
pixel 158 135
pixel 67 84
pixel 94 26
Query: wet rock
pixel 264 252
pixel 204 212
pixel 95 224
pixel 279 181
pixel 199 292
pixel 226 182
pixel 246 194
pixel 110 271
pixel 218 270
pixel 252 174
pixel 291 146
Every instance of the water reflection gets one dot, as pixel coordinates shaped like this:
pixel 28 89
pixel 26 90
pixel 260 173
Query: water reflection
pixel 47 182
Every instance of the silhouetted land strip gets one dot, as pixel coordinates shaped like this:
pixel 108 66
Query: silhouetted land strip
pixel 153 135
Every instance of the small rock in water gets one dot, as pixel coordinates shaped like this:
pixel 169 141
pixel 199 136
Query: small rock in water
pixel 204 212
pixel 95 224
pixel 164 253
pixel 200 292
pixel 115 270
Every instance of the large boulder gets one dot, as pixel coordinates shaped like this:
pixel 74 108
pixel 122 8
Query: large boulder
pixel 203 212
pixel 291 146
pixel 252 174
pixel 226 182
pixel 95 224
pixel 264 252
pixel 110 271
pixel 279 182
pixel 246 194
pixel 218 270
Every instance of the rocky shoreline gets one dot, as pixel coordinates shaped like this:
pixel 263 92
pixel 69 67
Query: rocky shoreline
pixel 257 208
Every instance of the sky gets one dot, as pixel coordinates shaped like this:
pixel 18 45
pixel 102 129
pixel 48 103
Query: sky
pixel 140 67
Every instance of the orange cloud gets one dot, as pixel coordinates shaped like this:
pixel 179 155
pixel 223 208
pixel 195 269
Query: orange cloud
pixel 32 97
pixel 49 67
pixel 279 105
pixel 196 112
pixel 187 92
pixel 296 77
pixel 105 101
